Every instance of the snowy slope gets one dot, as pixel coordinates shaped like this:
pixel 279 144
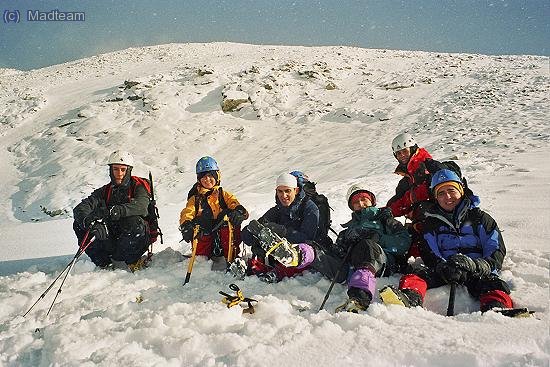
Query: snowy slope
pixel 329 111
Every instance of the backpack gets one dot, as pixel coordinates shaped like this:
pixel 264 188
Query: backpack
pixel 152 210
pixel 451 165
pixel 322 204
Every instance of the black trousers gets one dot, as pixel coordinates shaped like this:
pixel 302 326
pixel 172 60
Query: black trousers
pixel 128 241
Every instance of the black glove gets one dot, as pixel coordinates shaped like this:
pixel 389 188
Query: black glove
pixel 87 222
pixel 457 269
pixel 237 215
pixel 421 174
pixel 186 229
pixel 483 268
pixel 354 235
pixel 450 273
pixel 100 213
pixel 117 212
pixel 276 228
pixel 340 247
pixel 385 214
pixel 99 230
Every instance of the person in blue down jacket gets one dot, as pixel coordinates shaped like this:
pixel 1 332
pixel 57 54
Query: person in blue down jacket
pixel 463 245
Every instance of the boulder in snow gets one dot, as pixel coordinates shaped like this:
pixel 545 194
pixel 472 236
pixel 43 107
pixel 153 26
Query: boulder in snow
pixel 233 100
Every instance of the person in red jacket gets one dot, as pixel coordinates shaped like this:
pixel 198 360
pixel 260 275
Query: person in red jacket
pixel 415 165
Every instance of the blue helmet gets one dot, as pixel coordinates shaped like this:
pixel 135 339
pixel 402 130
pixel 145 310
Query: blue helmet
pixel 444 175
pixel 206 164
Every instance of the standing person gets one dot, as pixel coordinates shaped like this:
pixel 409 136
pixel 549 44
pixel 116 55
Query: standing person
pixel 415 165
pixel 463 245
pixel 207 205
pixel 115 214
pixel 294 217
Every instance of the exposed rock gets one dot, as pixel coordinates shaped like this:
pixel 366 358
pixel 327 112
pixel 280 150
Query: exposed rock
pixel 116 99
pixel 331 86
pixel 233 100
pixel 129 84
pixel 203 72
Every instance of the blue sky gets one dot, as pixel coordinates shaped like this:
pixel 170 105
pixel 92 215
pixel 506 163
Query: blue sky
pixel 486 27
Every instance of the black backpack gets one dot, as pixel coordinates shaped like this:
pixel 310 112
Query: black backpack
pixel 322 204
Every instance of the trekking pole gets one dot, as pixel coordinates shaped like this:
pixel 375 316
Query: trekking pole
pixel 82 249
pixel 344 261
pixel 451 306
pixel 78 253
pixel 193 254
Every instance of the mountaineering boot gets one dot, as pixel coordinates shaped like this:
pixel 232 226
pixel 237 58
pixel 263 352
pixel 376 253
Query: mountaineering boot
pixel 238 268
pixel 351 305
pixel 403 297
pixel 218 263
pixel 359 300
pixel 274 245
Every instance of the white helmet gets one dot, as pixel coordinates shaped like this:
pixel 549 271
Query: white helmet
pixel 121 157
pixel 402 141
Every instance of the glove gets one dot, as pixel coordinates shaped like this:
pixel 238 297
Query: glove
pixel 100 213
pixel 276 228
pixel 354 234
pixel 99 230
pixel 186 229
pixel 458 268
pixel 87 222
pixel 340 247
pixel 450 273
pixel 237 215
pixel 385 214
pixel 117 212
pixel 421 174
pixel 483 268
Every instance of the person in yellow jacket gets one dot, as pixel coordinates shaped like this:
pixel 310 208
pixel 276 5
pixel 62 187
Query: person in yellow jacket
pixel 207 206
